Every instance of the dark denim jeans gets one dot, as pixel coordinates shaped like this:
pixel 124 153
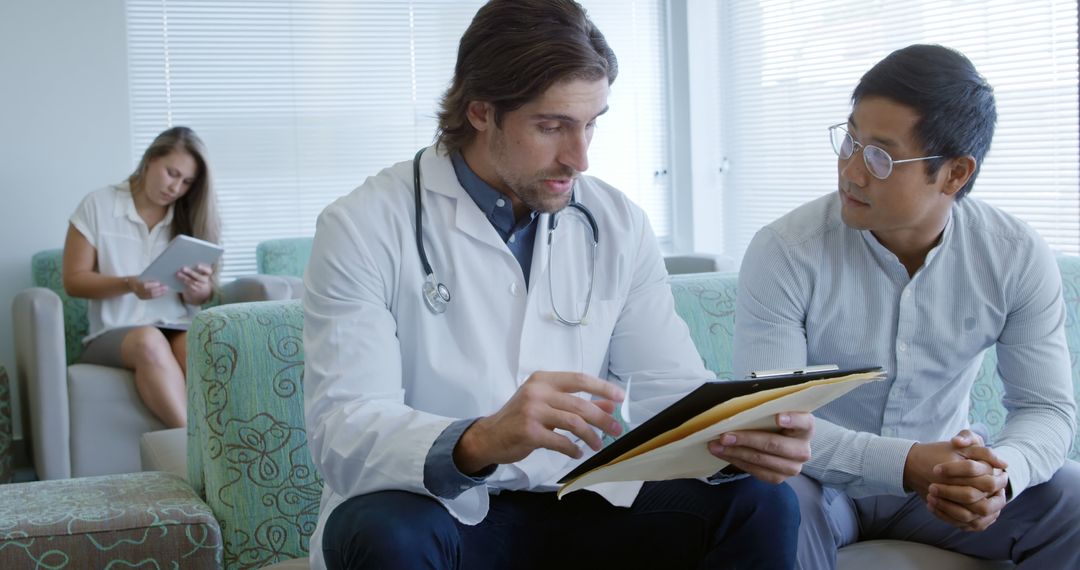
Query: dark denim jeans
pixel 672 524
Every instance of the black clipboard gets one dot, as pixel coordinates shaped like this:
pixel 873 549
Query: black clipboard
pixel 703 398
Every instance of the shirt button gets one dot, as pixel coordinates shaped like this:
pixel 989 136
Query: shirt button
pixel 500 202
pixel 513 239
pixel 903 346
pixel 907 293
pixel 514 289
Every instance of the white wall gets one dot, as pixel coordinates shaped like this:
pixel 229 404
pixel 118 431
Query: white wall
pixel 64 126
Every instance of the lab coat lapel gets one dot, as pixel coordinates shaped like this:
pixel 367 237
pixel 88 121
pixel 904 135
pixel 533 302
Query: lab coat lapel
pixel 437 176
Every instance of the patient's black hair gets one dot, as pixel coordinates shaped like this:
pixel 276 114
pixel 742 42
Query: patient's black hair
pixel 954 102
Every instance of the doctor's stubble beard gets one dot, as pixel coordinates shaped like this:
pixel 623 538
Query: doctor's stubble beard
pixel 530 190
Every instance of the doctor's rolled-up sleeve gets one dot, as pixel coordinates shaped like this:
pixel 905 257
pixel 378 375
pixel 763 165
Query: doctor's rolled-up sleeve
pixel 441 475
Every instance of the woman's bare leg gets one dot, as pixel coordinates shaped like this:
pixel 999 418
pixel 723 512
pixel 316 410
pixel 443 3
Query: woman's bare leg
pixel 159 378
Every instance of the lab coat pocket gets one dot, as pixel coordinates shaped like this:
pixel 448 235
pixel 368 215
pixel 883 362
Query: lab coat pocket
pixel 595 334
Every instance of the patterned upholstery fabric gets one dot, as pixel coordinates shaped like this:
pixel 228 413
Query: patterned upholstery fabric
pixel 247 446
pixel 137 520
pixel 46 269
pixel 287 256
pixel 247 449
pixel 5 428
pixel 706 301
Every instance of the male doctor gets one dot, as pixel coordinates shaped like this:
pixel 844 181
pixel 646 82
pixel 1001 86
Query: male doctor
pixel 443 405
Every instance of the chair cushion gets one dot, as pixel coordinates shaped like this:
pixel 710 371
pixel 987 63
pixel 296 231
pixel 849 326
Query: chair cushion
pixel 164 450
pixel 107 418
pixel 135 520
pixel 903 555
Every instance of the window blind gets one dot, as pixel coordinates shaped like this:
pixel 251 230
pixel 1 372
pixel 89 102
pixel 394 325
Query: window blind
pixel 787 70
pixel 300 101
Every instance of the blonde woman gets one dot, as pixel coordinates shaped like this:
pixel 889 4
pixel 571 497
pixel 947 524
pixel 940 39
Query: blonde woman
pixel 113 235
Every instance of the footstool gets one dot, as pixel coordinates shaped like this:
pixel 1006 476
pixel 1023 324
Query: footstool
pixel 134 520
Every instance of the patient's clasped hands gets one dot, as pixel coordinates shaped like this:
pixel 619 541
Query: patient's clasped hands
pixel 963 482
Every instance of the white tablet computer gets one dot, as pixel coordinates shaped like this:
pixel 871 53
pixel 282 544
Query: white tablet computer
pixel 182 251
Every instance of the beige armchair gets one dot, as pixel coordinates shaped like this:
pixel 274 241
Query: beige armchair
pixel 83 419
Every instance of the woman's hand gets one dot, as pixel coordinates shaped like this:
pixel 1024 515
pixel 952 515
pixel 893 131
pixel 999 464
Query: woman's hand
pixel 197 283
pixel 144 290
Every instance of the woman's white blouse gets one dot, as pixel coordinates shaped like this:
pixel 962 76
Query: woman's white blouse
pixel 125 246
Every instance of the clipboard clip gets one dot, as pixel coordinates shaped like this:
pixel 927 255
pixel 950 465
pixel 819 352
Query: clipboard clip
pixel 794 371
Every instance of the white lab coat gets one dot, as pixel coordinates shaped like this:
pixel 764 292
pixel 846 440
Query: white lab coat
pixel 384 375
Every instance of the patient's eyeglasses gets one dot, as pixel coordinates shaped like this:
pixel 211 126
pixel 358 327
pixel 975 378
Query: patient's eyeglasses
pixel 878 162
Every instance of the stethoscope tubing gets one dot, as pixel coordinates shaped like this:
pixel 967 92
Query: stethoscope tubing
pixel 437 295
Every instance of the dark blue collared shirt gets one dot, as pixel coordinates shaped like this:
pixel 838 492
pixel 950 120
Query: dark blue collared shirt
pixel 499 210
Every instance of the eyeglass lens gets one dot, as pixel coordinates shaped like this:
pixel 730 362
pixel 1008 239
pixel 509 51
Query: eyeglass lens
pixel 877 161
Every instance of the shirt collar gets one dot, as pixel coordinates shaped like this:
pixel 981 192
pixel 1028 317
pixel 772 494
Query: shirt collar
pixel 885 256
pixel 124 206
pixel 494 204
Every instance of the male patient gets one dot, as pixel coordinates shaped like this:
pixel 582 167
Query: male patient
pixel 443 390
pixel 900 268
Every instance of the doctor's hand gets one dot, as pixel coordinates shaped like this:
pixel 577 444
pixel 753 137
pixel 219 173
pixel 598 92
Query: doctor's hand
pixel 770 457
pixel 968 492
pixel 545 402
pixel 196 280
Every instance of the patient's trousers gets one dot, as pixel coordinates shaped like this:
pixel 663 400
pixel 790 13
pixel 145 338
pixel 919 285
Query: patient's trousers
pixel 1038 529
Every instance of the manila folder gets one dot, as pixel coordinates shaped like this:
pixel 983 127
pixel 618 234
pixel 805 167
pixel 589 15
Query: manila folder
pixel 682 451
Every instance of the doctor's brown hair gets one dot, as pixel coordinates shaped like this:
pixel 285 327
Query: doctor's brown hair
pixel 512 52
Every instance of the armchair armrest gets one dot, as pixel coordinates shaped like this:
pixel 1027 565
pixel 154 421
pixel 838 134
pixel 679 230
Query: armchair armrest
pixel 41 372
pixel 252 288
pixel 698 263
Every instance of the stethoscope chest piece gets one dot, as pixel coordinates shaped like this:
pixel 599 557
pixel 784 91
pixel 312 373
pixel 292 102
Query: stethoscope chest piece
pixel 436 295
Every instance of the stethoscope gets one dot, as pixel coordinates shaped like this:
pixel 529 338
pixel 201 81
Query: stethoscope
pixel 437 295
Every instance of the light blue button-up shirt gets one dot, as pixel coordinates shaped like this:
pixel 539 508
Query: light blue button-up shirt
pixel 814 291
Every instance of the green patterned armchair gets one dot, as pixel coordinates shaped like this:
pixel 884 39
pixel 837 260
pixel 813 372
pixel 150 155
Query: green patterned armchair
pixel 85 419
pixel 247 449
pixel 285 258
pixel 247 445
